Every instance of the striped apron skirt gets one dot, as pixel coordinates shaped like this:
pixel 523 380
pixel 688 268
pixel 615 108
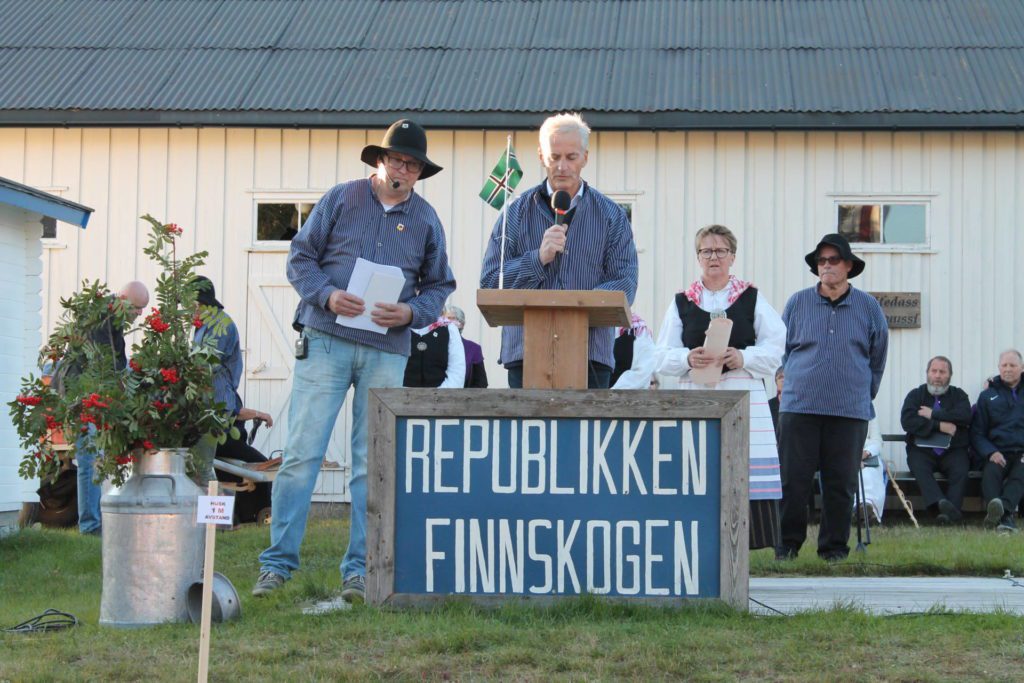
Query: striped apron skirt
pixel 765 474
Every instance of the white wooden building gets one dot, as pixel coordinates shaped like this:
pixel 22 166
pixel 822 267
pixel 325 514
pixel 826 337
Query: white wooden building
pixel 24 211
pixel 778 191
pixel 769 117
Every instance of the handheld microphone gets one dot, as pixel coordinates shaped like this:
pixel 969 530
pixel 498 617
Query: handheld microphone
pixel 560 203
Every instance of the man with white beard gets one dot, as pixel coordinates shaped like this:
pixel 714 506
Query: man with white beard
pixel 931 412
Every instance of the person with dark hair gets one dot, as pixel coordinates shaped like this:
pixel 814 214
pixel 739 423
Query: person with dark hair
pixel 997 433
pixel 939 415
pixel 226 378
pixel 837 339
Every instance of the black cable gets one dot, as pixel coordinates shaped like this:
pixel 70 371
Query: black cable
pixel 50 620
pixel 768 607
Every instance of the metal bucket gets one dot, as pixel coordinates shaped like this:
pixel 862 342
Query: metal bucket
pixel 152 546
pixel 224 606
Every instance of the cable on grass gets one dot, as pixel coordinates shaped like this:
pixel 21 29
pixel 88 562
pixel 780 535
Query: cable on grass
pixel 50 620
pixel 768 607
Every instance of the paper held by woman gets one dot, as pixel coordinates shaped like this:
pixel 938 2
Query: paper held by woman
pixel 716 341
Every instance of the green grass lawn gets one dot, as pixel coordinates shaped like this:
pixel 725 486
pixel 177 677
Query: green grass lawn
pixel 579 639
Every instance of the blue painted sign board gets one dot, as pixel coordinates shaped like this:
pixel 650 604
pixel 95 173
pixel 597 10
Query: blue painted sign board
pixel 527 507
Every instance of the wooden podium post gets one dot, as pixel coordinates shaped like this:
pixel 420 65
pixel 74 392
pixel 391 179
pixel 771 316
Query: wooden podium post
pixel 556 326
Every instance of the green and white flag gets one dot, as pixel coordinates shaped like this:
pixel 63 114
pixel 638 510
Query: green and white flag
pixel 503 179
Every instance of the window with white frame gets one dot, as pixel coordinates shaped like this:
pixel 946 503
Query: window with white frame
pixel 891 222
pixel 627 200
pixel 279 220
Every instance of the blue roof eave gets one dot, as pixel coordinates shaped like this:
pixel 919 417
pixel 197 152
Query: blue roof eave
pixel 44 204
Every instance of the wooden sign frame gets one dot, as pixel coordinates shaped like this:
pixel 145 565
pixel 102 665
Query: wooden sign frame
pixel 387 405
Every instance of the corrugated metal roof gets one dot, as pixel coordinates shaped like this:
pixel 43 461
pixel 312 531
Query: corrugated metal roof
pixel 329 24
pixel 329 57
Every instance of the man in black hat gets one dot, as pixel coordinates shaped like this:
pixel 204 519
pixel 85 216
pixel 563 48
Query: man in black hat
pixel 379 219
pixel 836 343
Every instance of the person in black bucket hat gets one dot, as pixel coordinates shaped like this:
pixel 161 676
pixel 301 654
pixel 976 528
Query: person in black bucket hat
pixel 403 139
pixel 836 344
pixel 843 247
pixel 382 220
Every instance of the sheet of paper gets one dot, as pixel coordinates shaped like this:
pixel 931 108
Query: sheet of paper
pixel 215 510
pixel 373 283
pixel 716 341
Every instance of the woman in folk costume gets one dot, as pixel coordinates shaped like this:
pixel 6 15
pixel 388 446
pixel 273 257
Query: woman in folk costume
pixel 754 352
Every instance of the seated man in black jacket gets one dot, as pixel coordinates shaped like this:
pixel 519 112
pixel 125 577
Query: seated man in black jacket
pixel 997 434
pixel 931 413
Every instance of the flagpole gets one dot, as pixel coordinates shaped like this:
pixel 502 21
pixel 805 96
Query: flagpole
pixel 504 213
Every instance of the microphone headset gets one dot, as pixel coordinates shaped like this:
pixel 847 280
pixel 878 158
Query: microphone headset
pixel 394 183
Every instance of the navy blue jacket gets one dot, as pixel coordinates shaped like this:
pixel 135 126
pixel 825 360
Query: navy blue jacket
pixel 998 424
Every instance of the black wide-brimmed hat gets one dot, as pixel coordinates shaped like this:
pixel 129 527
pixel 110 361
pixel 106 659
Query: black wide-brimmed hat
pixel 843 247
pixel 404 137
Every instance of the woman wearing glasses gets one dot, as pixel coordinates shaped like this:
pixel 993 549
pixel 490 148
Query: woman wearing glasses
pixel 754 353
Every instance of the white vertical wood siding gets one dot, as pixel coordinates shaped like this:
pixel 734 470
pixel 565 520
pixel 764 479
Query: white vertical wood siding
pixel 20 305
pixel 773 189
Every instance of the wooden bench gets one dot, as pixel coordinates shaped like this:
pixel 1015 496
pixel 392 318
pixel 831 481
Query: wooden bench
pixel 973 501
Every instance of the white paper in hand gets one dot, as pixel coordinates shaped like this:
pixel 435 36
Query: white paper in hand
pixel 374 284
pixel 716 341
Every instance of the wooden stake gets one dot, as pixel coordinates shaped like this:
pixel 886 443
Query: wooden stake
pixel 204 624
pixel 899 492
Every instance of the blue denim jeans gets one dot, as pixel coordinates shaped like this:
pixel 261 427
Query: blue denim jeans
pixel 319 385
pixel 89 492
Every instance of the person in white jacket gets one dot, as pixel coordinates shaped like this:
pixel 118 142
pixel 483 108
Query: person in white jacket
pixel 874 473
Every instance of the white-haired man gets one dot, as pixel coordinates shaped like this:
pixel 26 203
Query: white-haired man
pixel 997 434
pixel 592 249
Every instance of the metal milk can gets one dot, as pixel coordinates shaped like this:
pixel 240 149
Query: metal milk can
pixel 152 547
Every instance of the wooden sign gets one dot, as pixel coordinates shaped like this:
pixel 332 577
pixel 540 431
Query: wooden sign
pixel 902 309
pixel 514 494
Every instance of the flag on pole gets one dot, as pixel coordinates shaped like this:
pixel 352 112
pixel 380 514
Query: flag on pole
pixel 503 179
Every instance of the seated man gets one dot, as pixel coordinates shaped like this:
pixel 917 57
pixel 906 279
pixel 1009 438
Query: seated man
pixel 437 358
pixel 932 413
pixel 997 434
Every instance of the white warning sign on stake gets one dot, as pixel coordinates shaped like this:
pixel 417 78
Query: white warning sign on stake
pixel 215 510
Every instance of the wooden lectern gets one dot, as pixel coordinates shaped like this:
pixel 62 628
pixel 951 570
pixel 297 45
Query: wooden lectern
pixel 555 329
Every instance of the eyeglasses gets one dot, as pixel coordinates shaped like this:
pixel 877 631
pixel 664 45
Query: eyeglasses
pixel 831 260
pixel 706 254
pixel 396 164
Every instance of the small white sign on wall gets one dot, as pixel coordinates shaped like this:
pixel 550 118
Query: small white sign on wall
pixel 215 510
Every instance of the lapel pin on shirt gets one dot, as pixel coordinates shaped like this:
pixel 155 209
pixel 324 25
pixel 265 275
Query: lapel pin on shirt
pixel 401 227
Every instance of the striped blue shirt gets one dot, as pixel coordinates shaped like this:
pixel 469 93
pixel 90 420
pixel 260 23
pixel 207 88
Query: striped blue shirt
pixel 600 254
pixel 350 222
pixel 835 355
